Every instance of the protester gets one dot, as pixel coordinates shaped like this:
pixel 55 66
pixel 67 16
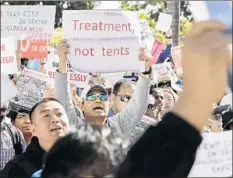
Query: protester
pixel 95 103
pixel 122 93
pixel 89 151
pixel 170 99
pixel 49 122
pixel 21 121
pixel 156 104
pixel 178 134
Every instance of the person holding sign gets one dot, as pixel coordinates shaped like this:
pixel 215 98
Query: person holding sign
pixel 95 103
pixel 169 149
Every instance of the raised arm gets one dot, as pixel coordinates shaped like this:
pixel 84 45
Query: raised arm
pixel 62 88
pixel 127 119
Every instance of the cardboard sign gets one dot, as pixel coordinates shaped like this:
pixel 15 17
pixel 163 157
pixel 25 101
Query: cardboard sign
pixel 140 128
pixel 164 22
pixel 156 50
pixel 176 57
pixel 214 156
pixel 31 87
pixel 33 25
pixel 103 41
pixel 8 56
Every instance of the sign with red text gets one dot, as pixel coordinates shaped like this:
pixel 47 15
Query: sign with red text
pixel 214 156
pixel 79 79
pixel 176 57
pixel 33 25
pixel 103 41
pixel 74 77
pixel 8 56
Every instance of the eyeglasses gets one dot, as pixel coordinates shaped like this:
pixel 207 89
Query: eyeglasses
pixel 93 97
pixel 164 84
pixel 124 98
pixel 151 107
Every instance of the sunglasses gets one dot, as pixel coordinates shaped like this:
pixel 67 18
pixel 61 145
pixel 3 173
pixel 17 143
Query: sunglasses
pixel 93 97
pixel 124 98
pixel 151 107
pixel 164 84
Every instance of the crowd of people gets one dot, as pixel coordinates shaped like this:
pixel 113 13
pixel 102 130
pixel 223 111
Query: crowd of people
pixel 92 131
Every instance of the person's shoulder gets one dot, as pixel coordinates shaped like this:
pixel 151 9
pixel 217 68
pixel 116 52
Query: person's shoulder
pixel 12 168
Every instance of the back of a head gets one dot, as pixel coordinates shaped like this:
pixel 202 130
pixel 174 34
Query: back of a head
pixel 122 83
pixel 89 151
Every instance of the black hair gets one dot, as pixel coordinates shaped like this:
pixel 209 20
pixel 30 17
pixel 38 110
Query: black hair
pixel 118 84
pixel 90 150
pixel 44 100
pixel 13 114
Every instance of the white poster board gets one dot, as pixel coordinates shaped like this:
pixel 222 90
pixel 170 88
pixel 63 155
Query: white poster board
pixel 103 41
pixel 214 156
pixel 164 22
pixel 31 86
pixel 34 22
pixel 8 56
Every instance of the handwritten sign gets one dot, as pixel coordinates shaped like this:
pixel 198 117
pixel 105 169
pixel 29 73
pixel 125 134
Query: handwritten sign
pixel 164 22
pixel 79 79
pixel 214 156
pixel 103 41
pixel 176 57
pixel 8 56
pixel 33 25
pixel 163 71
pixel 31 87
pixel 140 128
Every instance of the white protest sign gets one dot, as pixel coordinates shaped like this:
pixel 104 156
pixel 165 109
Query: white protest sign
pixel 103 41
pixel 52 65
pixel 31 86
pixel 8 56
pixel 160 70
pixel 8 89
pixel 79 79
pixel 164 22
pixel 34 22
pixel 214 156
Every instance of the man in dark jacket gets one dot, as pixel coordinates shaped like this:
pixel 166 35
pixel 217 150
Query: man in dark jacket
pixel 49 122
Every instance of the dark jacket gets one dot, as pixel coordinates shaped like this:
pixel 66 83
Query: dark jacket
pixel 24 165
pixel 165 150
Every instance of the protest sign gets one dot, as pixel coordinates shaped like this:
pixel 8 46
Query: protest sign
pixel 8 56
pixel 79 79
pixel 140 128
pixel 8 89
pixel 74 77
pixel 176 58
pixel 214 156
pixel 147 36
pixel 33 25
pixel 31 86
pixel 161 70
pixel 164 22
pixel 156 50
pixel 103 41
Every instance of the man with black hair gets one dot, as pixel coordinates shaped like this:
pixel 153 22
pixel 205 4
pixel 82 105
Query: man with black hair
pixel 20 120
pixel 122 93
pixel 49 122
pixel 89 151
